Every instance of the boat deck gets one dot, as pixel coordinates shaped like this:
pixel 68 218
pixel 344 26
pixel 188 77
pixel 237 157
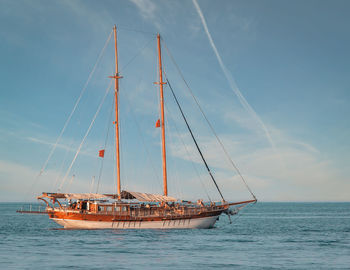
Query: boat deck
pixel 134 211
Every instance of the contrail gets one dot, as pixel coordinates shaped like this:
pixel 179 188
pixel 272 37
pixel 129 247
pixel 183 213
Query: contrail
pixel 230 79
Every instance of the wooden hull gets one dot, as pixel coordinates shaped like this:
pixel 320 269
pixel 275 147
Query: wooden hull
pixel 101 221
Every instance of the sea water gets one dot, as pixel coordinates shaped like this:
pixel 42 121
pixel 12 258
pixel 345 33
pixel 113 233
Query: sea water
pixel 262 236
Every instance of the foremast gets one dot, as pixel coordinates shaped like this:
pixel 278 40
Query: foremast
pixel 165 184
pixel 116 77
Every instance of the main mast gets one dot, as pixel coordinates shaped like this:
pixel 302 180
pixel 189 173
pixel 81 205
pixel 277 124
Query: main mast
pixel 116 91
pixel 165 185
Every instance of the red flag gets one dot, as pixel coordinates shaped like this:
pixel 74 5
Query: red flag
pixel 101 153
pixel 158 123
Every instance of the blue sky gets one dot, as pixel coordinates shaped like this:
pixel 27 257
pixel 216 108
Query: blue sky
pixel 288 59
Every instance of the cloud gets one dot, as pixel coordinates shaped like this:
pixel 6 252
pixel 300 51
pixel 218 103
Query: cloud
pixel 306 175
pixel 96 18
pixel 40 141
pixel 305 170
pixel 230 79
pixel 147 8
pixel 90 152
pixel 148 11
pixel 13 188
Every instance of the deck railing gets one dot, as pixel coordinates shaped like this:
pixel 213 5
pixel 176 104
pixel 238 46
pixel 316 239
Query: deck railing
pixel 139 212
pixel 29 209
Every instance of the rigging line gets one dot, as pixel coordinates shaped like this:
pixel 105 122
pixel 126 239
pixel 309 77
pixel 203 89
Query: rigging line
pixel 187 152
pixel 209 124
pixel 122 143
pixel 122 146
pixel 114 167
pixel 86 134
pixel 171 158
pixel 92 184
pixel 137 54
pixel 143 141
pixel 105 144
pixel 136 30
pixel 62 165
pixel 76 104
pixel 159 110
pixel 239 211
pixel 71 181
pixel 189 129
pixel 71 114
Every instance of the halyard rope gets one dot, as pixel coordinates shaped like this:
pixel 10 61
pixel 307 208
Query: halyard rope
pixel 75 105
pixel 209 124
pixel 86 134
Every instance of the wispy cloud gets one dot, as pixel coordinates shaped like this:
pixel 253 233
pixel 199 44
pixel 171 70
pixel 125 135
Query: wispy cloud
pixel 306 169
pixel 148 11
pixel 66 146
pixel 306 175
pixel 96 19
pixel 230 79
pixel 147 8
pixel 40 141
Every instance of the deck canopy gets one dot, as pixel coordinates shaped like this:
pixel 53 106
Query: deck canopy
pixel 127 195
pixel 86 196
pixel 146 197
pixel 75 196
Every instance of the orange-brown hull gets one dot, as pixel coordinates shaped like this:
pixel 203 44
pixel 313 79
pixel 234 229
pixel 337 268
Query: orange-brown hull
pixel 79 220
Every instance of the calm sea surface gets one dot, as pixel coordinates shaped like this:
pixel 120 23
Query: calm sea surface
pixel 263 236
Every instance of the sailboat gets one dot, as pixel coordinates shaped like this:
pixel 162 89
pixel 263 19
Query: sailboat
pixel 137 210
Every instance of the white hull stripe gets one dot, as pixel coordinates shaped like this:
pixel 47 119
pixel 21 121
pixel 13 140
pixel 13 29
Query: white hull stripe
pixel 197 223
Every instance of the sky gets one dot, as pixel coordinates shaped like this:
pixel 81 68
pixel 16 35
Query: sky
pixel 271 76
